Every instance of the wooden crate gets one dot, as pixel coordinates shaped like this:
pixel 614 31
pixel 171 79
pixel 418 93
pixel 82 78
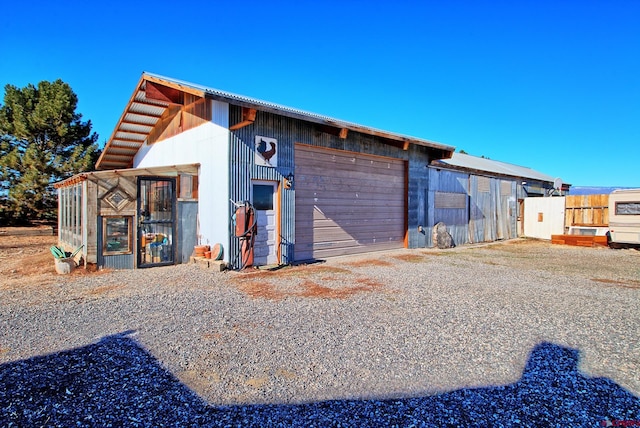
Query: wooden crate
pixel 580 240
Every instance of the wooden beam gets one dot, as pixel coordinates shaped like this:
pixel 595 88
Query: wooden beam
pixel 126 140
pixel 154 91
pixel 248 117
pixel 405 147
pixel 343 133
pixel 183 88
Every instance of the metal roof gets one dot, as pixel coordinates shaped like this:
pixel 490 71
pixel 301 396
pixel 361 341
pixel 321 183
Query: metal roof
pixel 464 161
pixel 142 113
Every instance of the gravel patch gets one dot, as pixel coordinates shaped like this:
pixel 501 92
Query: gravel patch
pixel 516 333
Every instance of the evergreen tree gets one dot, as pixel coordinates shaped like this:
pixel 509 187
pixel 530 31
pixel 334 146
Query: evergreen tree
pixel 42 140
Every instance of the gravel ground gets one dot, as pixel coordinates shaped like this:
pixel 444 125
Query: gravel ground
pixel 516 333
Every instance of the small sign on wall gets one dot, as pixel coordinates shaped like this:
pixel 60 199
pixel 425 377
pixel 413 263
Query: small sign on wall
pixel 266 151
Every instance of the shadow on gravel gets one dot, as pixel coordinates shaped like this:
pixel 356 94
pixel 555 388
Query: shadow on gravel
pixel 116 382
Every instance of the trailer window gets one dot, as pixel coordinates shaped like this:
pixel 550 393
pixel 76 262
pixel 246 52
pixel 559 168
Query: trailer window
pixel 627 208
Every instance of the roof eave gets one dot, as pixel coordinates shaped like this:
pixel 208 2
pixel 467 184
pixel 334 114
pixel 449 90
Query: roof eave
pixel 109 160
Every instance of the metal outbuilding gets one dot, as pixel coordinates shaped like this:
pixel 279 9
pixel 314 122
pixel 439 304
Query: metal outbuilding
pixel 481 200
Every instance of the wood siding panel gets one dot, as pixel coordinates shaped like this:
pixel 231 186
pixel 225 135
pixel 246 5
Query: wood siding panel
pixel 587 210
pixel 347 203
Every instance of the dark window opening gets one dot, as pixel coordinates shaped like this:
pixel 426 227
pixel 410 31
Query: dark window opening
pixel 263 197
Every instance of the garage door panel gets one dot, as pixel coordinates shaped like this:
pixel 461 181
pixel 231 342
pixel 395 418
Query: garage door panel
pixel 348 162
pixel 353 189
pixel 318 170
pixel 352 223
pixel 320 253
pixel 347 203
pixel 313 178
pixel 321 226
pixel 360 235
pixel 362 215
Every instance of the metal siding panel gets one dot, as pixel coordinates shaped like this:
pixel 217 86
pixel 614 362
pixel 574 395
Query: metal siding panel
pixel 456 219
pixel 476 211
pixel 186 230
pixel 244 170
pixel 124 261
pixel 417 196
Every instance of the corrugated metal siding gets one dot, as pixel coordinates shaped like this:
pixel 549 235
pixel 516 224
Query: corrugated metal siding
pixel 417 197
pixel 490 212
pixel 456 219
pixel 493 212
pixel 186 230
pixel 510 208
pixel 242 151
pixel 482 209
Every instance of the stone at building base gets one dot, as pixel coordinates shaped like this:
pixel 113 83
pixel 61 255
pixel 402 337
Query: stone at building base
pixel 214 265
pixel 441 237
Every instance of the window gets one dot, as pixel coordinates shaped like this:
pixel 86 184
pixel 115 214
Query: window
pixel 116 235
pixel 627 208
pixel 70 214
pixel 263 197
pixel 188 187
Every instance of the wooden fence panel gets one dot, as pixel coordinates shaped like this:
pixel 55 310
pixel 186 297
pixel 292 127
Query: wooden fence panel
pixel 587 210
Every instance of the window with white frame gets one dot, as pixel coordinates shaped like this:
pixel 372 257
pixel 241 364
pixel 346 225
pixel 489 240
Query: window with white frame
pixel 70 214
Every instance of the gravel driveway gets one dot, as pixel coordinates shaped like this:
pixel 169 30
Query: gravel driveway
pixel 520 332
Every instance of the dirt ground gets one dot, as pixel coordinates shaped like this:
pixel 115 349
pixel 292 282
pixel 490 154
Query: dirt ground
pixel 27 261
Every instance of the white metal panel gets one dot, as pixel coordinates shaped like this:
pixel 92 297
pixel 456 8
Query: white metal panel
pixel 208 145
pixel 544 217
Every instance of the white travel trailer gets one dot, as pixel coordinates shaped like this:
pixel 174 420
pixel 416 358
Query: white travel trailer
pixel 624 217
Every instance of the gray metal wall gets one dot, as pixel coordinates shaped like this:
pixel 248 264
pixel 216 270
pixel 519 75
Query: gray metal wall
pixel 490 211
pixel 243 170
pixel 186 230
pixel 456 219
pixel 493 212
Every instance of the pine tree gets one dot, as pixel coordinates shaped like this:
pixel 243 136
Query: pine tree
pixel 42 140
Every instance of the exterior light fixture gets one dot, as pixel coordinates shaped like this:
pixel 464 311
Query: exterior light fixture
pixel 288 181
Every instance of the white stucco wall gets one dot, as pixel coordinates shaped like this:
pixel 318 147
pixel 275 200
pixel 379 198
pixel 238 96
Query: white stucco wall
pixel 208 145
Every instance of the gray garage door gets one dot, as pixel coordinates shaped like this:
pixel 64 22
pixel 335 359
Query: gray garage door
pixel 347 203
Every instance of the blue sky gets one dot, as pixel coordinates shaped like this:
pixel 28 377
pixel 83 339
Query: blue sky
pixel 552 85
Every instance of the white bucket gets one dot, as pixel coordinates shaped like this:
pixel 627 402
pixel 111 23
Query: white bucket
pixel 65 266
